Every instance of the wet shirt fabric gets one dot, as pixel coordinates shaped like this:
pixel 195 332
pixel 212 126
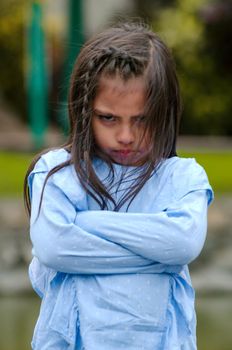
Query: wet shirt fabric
pixel 117 280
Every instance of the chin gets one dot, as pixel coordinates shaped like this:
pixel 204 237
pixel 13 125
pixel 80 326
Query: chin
pixel 129 161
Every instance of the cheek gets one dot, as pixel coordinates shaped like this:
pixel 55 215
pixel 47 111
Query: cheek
pixel 97 137
pixel 96 129
pixel 144 138
pixel 148 143
pixel 100 135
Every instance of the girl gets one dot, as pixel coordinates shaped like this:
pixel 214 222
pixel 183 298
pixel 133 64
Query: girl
pixel 116 215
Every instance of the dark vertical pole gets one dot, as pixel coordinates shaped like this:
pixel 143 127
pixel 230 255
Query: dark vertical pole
pixel 75 40
pixel 37 77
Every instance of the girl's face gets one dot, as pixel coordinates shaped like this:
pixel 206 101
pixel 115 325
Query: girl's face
pixel 118 120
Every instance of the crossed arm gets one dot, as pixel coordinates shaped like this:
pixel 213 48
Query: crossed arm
pixel 105 242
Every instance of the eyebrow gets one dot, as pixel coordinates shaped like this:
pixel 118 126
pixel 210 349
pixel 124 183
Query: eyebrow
pixel 114 115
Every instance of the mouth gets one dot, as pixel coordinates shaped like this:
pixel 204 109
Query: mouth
pixel 126 156
pixel 123 153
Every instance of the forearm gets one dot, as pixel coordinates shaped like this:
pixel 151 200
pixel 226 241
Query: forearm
pixel 175 237
pixel 70 249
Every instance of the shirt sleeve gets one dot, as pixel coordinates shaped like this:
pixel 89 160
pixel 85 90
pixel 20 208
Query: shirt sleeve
pixel 174 236
pixel 62 245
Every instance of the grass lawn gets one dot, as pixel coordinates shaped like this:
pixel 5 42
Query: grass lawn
pixel 13 168
pixel 218 166
pixel 14 165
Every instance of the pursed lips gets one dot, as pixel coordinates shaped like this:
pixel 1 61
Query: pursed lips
pixel 124 152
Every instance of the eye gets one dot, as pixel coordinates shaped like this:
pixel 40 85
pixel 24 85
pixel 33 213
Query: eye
pixel 106 118
pixel 140 119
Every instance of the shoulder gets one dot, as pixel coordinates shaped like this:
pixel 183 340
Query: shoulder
pixel 186 175
pixel 51 159
pixel 187 167
pixel 64 179
pixel 188 172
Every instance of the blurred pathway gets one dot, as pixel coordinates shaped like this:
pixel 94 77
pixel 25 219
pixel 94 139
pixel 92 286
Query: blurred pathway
pixel 16 136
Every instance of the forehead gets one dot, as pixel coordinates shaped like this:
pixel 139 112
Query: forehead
pixel 120 97
pixel 119 85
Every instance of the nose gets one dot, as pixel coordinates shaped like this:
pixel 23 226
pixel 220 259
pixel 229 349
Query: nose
pixel 126 135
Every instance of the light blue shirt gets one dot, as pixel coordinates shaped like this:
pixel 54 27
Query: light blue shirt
pixel 117 280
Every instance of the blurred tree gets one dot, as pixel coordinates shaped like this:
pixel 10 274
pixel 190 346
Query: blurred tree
pixel 199 33
pixel 143 8
pixel 12 46
pixel 217 19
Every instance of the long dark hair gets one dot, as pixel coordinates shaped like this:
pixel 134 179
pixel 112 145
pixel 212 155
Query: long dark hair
pixel 128 50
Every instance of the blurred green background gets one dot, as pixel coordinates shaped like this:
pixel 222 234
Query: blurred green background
pixel 198 32
pixel 39 41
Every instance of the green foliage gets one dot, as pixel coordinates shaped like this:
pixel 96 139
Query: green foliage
pixel 206 92
pixel 12 33
pixel 14 166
